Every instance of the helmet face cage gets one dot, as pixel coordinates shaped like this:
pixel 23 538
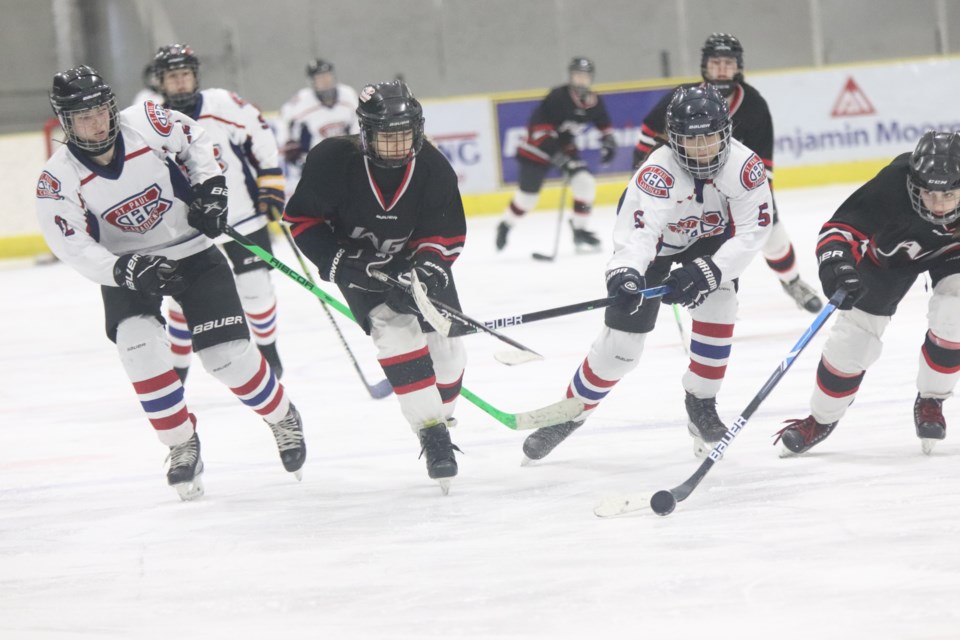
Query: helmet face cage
pixel 81 90
pixel 391 124
pixel 699 130
pixel 581 65
pixel 722 45
pixel 935 168
pixel 170 58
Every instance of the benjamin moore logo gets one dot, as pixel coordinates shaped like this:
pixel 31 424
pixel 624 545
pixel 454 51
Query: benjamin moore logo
pixel 852 101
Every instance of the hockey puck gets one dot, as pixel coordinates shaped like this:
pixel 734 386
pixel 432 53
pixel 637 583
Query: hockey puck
pixel 663 503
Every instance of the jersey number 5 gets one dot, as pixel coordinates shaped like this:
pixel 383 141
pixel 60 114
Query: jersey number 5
pixel 763 218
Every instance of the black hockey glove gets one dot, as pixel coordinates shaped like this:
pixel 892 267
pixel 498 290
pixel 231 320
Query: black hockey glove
pixel 838 271
pixel 351 268
pixel 692 283
pixel 626 284
pixel 432 273
pixel 567 165
pixel 270 194
pixel 148 275
pixel 208 211
pixel 608 149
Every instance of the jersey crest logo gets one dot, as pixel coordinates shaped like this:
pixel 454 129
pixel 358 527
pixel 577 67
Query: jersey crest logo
pixel 656 181
pixel 710 223
pixel 753 174
pixel 159 118
pixel 141 213
pixel 48 187
pixel 367 93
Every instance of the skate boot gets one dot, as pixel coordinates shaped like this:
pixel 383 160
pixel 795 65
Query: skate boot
pixel 800 435
pixel 270 354
pixel 545 439
pixel 928 418
pixel 585 241
pixel 503 230
pixel 288 433
pixel 803 294
pixel 436 445
pixel 704 424
pixel 185 469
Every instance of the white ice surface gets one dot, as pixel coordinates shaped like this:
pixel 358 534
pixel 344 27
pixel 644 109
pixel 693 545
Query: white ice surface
pixel 858 539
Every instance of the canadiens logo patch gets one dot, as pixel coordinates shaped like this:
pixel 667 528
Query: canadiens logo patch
pixel 753 174
pixel 159 118
pixel 140 213
pixel 48 187
pixel 656 181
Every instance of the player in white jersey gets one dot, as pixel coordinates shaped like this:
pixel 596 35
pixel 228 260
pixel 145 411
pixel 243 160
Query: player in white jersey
pixel 324 109
pixel 247 154
pixel 114 205
pixel 703 202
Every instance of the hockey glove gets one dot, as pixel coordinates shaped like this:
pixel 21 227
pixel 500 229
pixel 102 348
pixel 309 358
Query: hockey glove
pixel 608 149
pixel 148 275
pixel 270 194
pixel 208 211
pixel 838 271
pixel 692 283
pixel 351 268
pixel 626 284
pixel 432 273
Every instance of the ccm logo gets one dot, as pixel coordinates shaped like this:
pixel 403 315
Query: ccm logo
pixel 216 324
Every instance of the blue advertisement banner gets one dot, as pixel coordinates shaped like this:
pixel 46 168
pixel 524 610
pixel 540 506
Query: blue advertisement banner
pixel 627 110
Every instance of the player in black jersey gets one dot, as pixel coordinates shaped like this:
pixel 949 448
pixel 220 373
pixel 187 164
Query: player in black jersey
pixel 721 64
pixel 388 200
pixel 903 222
pixel 551 141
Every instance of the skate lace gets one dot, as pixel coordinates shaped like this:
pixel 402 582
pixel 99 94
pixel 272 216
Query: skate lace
pixel 287 432
pixel 807 427
pixel 929 410
pixel 704 413
pixel 182 455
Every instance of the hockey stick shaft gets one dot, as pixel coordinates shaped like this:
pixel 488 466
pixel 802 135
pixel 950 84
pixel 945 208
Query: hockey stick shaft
pixel 557 412
pixel 546 314
pixel 377 391
pixel 556 236
pixel 683 333
pixel 682 492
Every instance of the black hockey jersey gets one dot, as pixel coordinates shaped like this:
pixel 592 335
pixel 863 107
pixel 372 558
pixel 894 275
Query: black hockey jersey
pixel 752 125
pixel 556 122
pixel 878 223
pixel 344 199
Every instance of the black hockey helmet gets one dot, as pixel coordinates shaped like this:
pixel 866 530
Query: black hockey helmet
pixel 390 108
pixel 935 166
pixel 699 129
pixel 83 89
pixel 581 64
pixel 325 94
pixel 178 56
pixel 722 45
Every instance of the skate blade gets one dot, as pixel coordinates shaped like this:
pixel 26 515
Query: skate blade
pixel 927 445
pixel 785 452
pixel 190 490
pixel 700 448
pixel 298 474
pixel 526 462
pixel 444 486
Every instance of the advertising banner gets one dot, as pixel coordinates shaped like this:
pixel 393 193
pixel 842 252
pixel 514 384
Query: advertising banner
pixel 463 131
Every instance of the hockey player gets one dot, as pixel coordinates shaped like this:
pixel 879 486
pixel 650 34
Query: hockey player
pixel 388 200
pixel 247 154
pixel 113 205
pixel 551 141
pixel 721 64
pixel 324 109
pixel 903 222
pixel 702 202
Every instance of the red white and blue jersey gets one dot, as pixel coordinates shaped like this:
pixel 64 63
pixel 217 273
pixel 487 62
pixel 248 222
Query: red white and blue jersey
pixel 245 149
pixel 91 214
pixel 304 119
pixel 664 211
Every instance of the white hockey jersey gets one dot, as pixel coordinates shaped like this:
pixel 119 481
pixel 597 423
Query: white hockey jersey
pixel 662 215
pixel 305 119
pixel 244 147
pixel 90 214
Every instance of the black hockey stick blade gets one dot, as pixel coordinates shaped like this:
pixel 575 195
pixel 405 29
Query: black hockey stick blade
pixel 543 257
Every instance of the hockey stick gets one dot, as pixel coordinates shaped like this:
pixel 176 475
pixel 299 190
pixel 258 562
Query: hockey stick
pixel 562 411
pixel 438 314
pixel 556 238
pixel 377 391
pixel 684 340
pixel 523 318
pixel 665 501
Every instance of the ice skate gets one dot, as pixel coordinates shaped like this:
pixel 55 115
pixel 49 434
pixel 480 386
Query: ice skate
pixel 704 424
pixel 545 439
pixel 186 468
pixel 270 354
pixel 289 435
pixel 800 435
pixel 503 230
pixel 435 444
pixel 930 423
pixel 803 294
pixel 585 241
